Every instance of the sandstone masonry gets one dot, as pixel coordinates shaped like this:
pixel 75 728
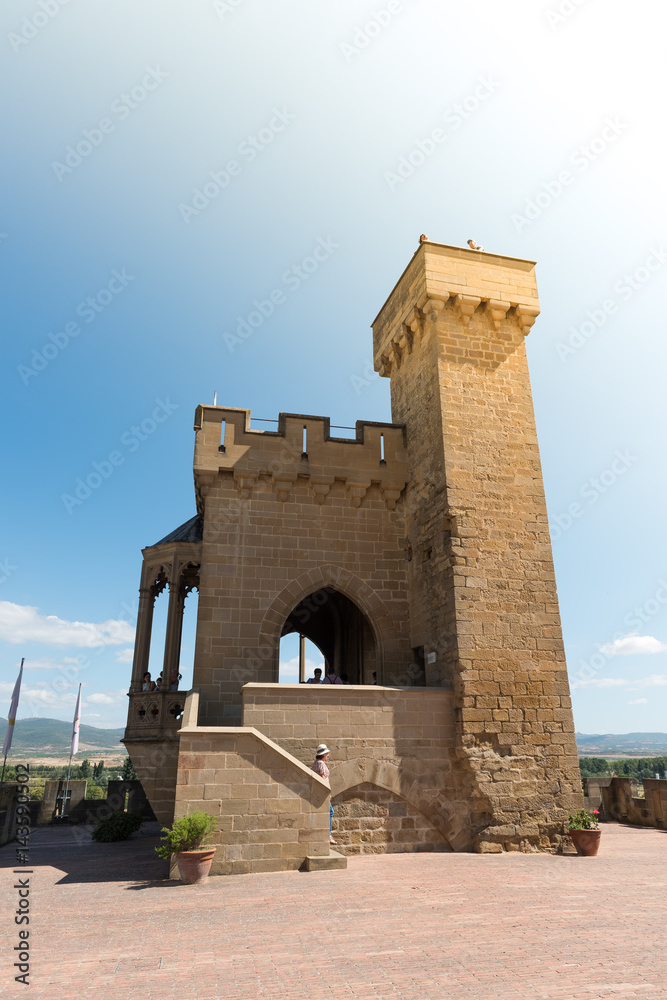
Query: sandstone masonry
pixel 417 553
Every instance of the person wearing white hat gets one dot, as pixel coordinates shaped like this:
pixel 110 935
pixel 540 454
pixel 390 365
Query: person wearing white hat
pixel 320 767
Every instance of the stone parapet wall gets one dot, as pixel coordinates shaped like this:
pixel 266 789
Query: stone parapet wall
pixel 353 720
pixel 272 812
pixel 375 455
pixel 621 804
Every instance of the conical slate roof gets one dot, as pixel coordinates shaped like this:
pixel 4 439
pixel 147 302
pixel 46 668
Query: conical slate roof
pixel 191 531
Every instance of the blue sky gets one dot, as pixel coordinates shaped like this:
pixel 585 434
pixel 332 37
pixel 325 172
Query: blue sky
pixel 168 164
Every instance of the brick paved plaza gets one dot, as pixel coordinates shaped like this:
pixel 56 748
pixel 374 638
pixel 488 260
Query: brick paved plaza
pixel 105 924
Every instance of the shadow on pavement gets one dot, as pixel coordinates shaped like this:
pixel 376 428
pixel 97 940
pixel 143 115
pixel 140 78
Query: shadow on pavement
pixel 71 849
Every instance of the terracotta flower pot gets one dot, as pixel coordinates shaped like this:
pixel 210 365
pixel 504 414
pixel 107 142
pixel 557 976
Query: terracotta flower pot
pixel 194 866
pixel 587 842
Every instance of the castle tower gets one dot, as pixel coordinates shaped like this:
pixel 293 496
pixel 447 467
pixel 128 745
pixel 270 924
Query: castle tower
pixel 416 556
pixel 483 600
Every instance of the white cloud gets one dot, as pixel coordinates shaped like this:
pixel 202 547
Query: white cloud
pixel 638 701
pixel 66 664
pixel 653 680
pixel 106 698
pixel 22 623
pixel 289 669
pixel 125 655
pixel 634 645
pixel 598 682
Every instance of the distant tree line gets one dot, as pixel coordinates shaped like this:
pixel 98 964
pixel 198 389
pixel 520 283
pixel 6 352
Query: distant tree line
pixel 635 767
pixel 97 775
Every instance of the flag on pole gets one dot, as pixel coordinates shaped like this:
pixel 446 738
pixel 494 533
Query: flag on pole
pixel 12 713
pixel 75 729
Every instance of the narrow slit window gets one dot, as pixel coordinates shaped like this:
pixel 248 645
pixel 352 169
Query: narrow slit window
pixel 382 447
pixel 222 435
pixel 304 442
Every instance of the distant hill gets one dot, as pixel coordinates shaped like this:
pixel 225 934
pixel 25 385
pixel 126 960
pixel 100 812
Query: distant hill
pixel 627 744
pixel 48 736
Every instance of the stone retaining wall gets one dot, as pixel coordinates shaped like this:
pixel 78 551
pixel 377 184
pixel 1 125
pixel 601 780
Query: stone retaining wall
pixel 272 812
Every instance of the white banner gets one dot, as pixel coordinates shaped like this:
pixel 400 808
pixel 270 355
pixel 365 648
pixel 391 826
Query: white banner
pixel 11 719
pixel 77 720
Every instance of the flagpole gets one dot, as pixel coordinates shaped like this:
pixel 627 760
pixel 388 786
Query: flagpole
pixel 62 810
pixel 11 720
pixel 73 749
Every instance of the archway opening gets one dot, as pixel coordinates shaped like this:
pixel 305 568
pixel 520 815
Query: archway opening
pixel 340 630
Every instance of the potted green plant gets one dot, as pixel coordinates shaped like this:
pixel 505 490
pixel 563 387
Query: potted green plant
pixel 584 832
pixel 185 838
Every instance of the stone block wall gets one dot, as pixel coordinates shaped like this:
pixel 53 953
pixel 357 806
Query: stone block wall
pixel 156 763
pixel 483 593
pixel 400 740
pixel 281 523
pixel 372 820
pixel 272 812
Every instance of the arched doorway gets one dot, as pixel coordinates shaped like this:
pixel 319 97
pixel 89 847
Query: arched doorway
pixel 340 630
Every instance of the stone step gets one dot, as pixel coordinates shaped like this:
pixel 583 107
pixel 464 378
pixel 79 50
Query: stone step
pixel 331 862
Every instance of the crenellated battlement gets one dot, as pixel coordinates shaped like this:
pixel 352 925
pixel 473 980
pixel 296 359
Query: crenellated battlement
pixel 301 447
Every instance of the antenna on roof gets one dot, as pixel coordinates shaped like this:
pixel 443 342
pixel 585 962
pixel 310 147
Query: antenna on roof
pixel 215 398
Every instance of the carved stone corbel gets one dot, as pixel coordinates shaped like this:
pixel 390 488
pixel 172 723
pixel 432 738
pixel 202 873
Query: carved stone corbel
pixel 384 369
pixel 526 316
pixel 283 484
pixel 245 482
pixel 204 482
pixel 497 310
pixel 391 493
pixel 432 307
pixel 395 354
pixel 415 322
pixel 357 491
pixel 321 486
pixel 405 339
pixel 465 306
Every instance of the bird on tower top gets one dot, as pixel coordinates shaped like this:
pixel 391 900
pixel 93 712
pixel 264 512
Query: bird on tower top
pixel 423 238
pixel 475 246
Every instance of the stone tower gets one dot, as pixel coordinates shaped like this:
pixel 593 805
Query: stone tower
pixel 416 552
pixel 483 600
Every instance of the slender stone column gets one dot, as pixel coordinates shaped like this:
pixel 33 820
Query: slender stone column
pixel 302 659
pixel 142 640
pixel 172 645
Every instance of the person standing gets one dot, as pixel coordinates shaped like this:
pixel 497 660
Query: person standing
pixel 320 767
pixel 317 678
pixel 331 677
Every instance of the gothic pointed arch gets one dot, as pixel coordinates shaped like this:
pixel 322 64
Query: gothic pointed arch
pixel 320 579
pixel 452 823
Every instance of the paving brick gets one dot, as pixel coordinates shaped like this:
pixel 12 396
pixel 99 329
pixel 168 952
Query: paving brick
pixel 106 924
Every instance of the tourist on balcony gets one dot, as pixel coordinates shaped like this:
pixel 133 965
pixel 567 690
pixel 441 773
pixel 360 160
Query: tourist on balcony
pixel 331 677
pixel 316 678
pixel 148 684
pixel 320 767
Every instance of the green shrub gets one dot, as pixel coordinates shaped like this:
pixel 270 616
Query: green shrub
pixel 186 834
pixel 116 826
pixel 95 792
